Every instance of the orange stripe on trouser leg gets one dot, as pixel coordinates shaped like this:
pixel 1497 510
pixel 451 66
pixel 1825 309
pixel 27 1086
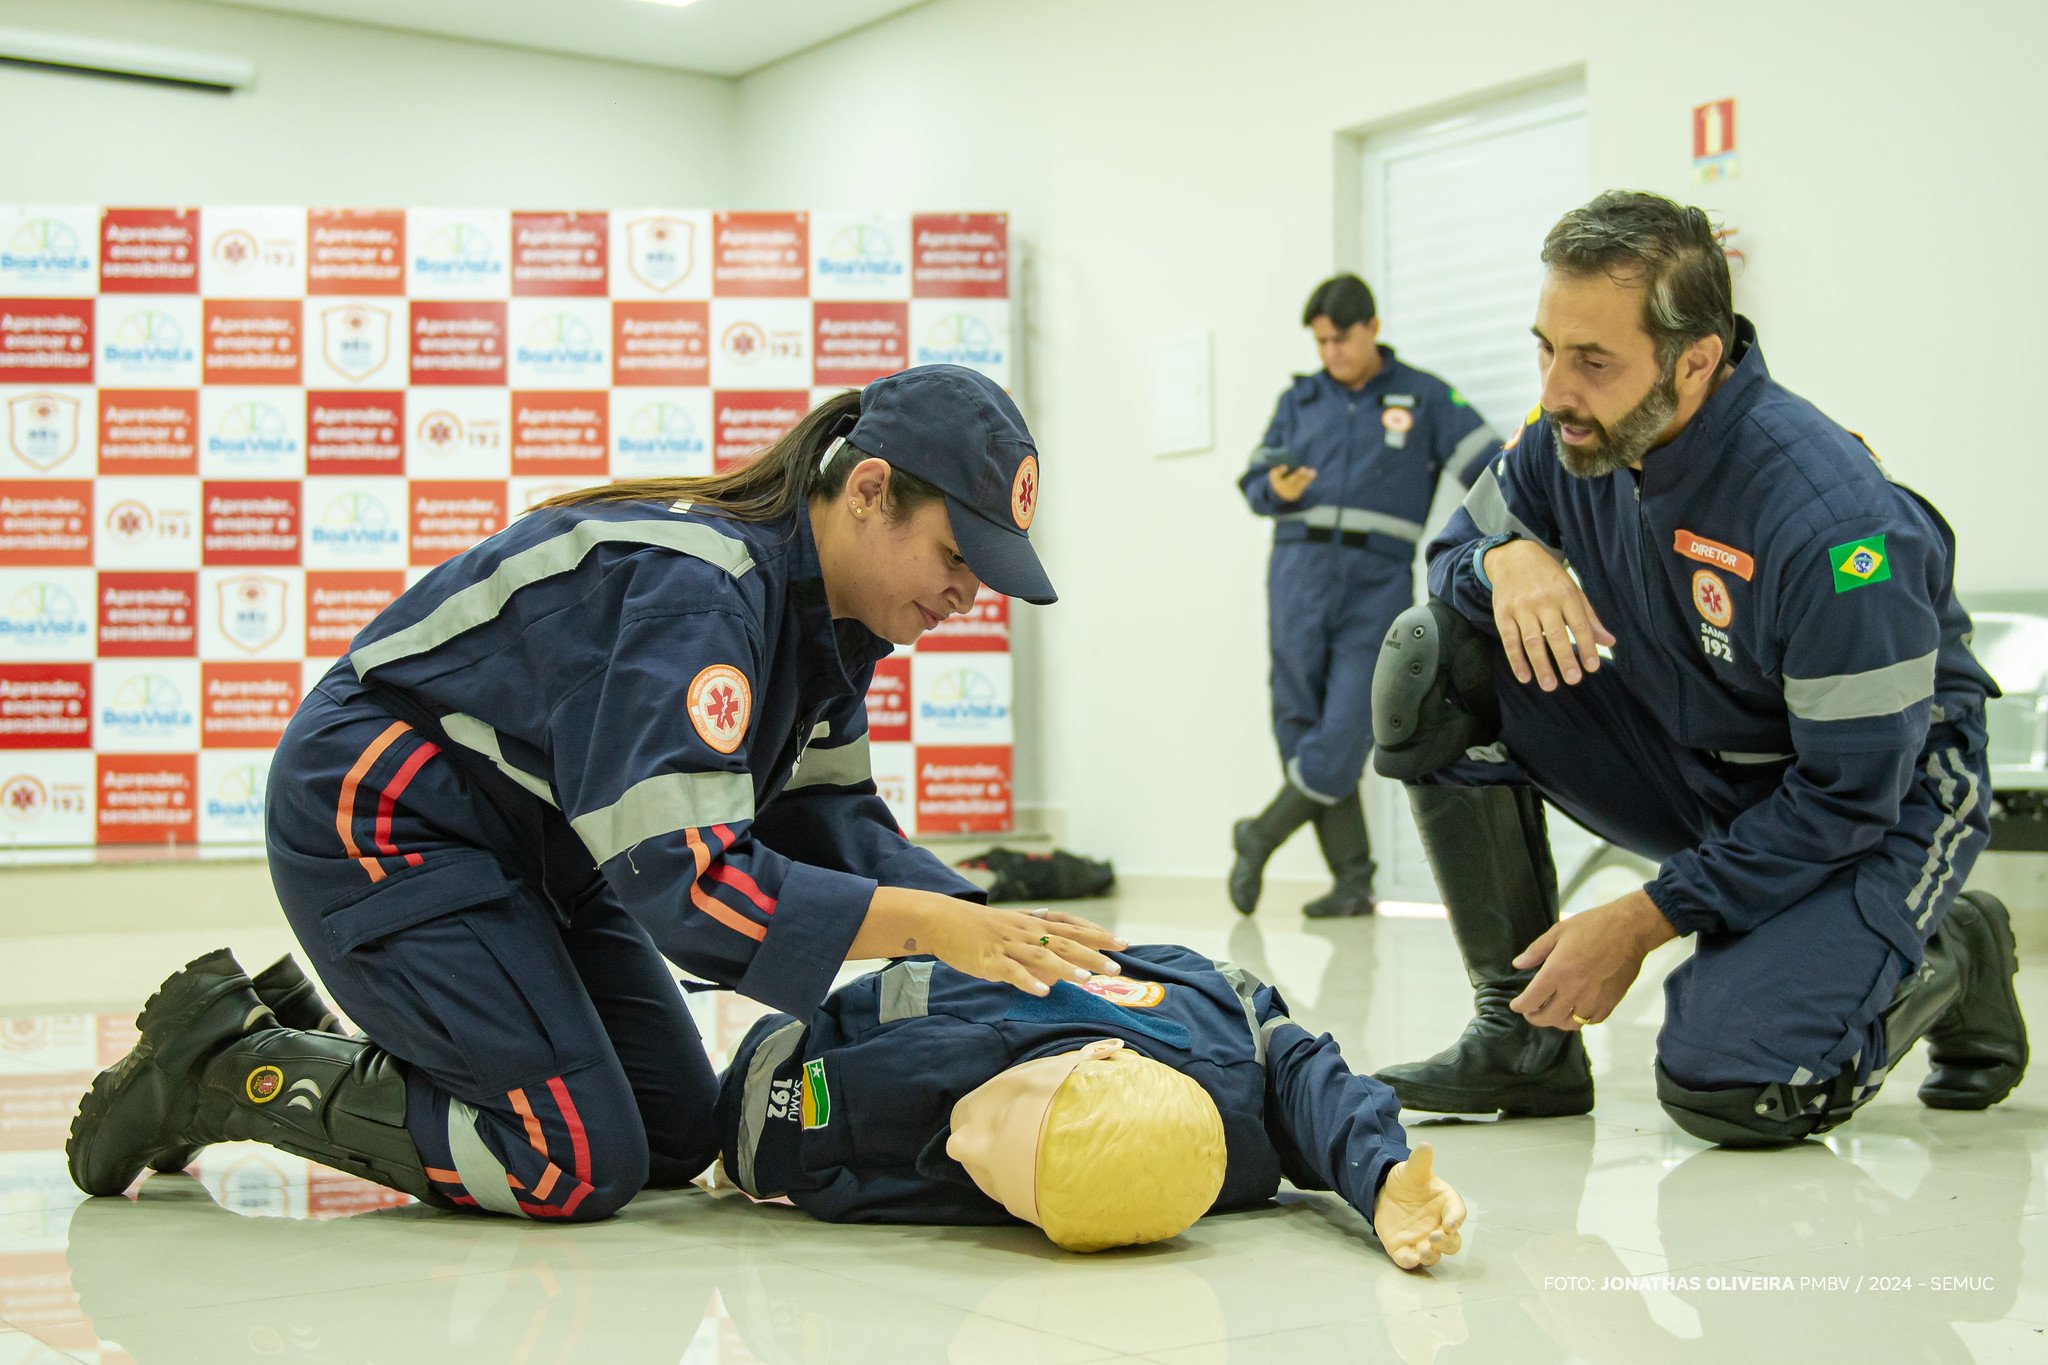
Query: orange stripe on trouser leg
pixel 344 811
pixel 547 1181
pixel 534 1137
pixel 711 905
pixel 445 1177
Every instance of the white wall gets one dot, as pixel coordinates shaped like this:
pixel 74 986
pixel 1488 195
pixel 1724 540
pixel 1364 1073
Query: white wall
pixel 1172 165
pixel 343 114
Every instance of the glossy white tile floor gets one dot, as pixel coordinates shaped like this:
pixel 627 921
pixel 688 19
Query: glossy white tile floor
pixel 1908 1235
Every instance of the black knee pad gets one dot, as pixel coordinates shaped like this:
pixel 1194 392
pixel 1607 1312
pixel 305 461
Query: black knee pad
pixel 1432 692
pixel 1774 1115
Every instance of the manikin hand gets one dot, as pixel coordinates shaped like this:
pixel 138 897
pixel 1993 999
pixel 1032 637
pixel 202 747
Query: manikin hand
pixel 1290 484
pixel 1417 1215
pixel 1589 961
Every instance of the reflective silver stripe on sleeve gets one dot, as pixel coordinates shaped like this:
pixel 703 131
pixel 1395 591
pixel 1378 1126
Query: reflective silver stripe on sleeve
pixel 1852 696
pixel 1737 757
pixel 480 602
pixel 483 1175
pixel 1266 1032
pixel 472 733
pixel 1954 828
pixel 1478 443
pixel 1488 508
pixel 1355 519
pixel 906 992
pixel 755 1094
pixel 1246 985
pixel 661 805
pixel 846 766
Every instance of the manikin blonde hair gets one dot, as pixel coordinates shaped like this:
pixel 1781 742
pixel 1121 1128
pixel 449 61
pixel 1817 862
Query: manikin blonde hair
pixel 1132 1152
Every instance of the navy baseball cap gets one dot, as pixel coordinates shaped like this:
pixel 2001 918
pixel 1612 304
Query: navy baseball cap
pixel 957 430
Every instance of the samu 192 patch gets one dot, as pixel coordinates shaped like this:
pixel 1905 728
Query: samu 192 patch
pixel 817 1099
pixel 1859 563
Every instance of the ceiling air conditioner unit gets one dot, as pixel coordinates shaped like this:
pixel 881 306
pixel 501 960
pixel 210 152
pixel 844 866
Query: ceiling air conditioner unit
pixel 83 55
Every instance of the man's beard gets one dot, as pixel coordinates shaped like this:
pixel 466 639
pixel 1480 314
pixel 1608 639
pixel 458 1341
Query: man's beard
pixel 1628 440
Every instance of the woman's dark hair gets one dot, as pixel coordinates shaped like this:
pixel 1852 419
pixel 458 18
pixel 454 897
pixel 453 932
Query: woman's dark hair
pixel 775 478
pixel 1343 299
pixel 1668 250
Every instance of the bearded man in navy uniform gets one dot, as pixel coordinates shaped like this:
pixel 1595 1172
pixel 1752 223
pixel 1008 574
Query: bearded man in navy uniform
pixel 1789 722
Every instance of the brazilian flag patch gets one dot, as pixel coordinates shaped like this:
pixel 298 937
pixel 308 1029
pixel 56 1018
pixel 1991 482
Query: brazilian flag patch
pixel 1859 563
pixel 817 1099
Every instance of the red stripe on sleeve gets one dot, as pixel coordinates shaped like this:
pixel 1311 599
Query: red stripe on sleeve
pixel 745 885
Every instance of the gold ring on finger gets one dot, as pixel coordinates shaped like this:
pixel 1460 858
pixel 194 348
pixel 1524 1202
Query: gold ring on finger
pixel 1578 1018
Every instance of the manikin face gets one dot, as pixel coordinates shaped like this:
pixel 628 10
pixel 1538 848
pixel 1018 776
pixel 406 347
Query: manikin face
pixel 900 577
pixel 1605 396
pixel 1351 355
pixel 998 1125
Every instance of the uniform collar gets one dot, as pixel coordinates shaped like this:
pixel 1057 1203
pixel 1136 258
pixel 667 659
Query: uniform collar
pixel 1695 451
pixel 1390 369
pixel 830 653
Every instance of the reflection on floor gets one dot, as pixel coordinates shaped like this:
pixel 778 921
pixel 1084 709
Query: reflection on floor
pixel 1909 1235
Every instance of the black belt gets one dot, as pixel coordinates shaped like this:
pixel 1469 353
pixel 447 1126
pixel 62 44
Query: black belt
pixel 1323 535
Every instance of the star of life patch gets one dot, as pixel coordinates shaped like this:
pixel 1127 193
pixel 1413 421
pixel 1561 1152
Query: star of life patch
pixel 720 702
pixel 1710 598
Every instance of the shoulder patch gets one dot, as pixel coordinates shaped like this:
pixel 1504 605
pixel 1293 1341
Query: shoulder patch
pixel 1515 436
pixel 817 1098
pixel 720 703
pixel 1458 400
pixel 1859 563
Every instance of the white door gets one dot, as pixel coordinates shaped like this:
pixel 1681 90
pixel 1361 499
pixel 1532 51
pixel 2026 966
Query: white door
pixel 1454 215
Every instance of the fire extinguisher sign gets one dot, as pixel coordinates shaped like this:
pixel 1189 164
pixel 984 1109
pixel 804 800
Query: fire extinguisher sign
pixel 1713 141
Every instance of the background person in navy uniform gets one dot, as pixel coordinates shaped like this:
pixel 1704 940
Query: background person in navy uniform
pixel 1791 723
pixel 628 727
pixel 877 1107
pixel 1347 471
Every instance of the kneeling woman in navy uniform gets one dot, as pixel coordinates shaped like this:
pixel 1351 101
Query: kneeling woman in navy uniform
pixel 628 727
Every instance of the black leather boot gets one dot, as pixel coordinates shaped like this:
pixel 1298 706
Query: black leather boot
pixel 297 1004
pixel 1347 848
pixel 212 1065
pixel 1490 851
pixel 1255 840
pixel 1977 1047
pixel 1960 999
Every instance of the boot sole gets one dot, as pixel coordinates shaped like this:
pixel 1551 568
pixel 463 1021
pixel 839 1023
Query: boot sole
pixel 1348 913
pixel 1534 1105
pixel 2004 1075
pixel 167 1007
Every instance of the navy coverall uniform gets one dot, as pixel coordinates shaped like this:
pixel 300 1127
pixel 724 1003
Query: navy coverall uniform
pixel 1344 554
pixel 847 1110
pixel 608 735
pixel 1791 722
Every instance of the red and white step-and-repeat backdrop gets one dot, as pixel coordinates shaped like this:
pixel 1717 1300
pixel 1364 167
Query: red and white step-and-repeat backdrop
pixel 229 436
